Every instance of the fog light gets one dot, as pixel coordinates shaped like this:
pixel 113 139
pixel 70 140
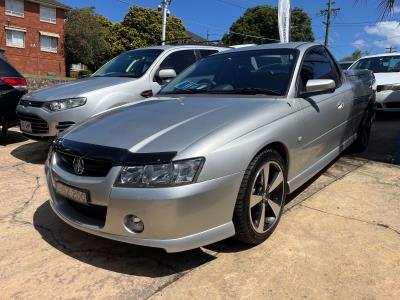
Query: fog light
pixel 134 224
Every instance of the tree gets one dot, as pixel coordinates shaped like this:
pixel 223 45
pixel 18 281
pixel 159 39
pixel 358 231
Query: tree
pixel 145 26
pixel 262 21
pixel 87 38
pixel 357 54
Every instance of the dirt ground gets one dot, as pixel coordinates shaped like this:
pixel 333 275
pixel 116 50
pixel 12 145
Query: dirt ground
pixel 338 239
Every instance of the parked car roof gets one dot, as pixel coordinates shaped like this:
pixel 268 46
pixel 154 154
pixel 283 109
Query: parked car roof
pixel 7 70
pixel 293 45
pixel 382 55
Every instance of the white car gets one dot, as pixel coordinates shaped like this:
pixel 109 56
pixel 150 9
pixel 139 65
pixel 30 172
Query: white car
pixel 129 77
pixel 386 68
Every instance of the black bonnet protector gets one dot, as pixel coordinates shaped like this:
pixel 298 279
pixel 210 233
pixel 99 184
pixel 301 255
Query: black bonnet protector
pixel 118 156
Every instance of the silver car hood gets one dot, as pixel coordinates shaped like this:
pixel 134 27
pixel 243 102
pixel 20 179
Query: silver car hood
pixel 173 124
pixel 77 88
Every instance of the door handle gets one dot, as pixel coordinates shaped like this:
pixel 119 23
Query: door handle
pixel 340 106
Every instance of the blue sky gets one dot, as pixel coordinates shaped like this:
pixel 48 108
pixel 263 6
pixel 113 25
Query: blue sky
pixel 357 25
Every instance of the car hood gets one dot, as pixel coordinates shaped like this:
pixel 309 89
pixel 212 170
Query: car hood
pixel 172 124
pixel 387 78
pixel 77 88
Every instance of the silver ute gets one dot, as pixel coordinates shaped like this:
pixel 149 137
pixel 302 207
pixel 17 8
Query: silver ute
pixel 215 153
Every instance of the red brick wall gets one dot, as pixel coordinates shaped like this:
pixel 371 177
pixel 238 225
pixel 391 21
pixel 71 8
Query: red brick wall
pixel 31 60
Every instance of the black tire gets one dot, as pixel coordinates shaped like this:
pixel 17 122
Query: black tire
pixel 242 219
pixel 364 132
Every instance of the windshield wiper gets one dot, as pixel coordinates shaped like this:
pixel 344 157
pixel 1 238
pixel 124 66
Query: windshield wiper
pixel 252 91
pixel 188 91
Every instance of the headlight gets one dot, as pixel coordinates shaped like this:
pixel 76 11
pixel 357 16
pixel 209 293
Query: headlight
pixel 64 104
pixel 162 175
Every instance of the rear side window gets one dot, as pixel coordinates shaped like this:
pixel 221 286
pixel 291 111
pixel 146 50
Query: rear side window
pixel 318 65
pixel 179 60
pixel 205 53
pixel 6 70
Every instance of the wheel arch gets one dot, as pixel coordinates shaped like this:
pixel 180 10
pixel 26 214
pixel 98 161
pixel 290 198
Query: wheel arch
pixel 281 149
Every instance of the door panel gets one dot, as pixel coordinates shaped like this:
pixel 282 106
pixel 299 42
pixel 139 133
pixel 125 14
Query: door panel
pixel 324 116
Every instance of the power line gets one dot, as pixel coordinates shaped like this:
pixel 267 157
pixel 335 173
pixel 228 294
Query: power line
pixel 329 13
pixel 231 4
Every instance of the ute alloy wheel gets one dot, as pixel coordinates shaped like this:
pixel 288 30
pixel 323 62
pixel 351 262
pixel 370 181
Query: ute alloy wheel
pixel 364 132
pixel 261 198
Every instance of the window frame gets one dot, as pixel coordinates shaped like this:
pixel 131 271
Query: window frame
pixel 196 59
pixel 333 64
pixel 14 13
pixel 52 50
pixel 48 20
pixel 14 45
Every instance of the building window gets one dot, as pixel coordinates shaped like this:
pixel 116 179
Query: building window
pixel 15 8
pixel 48 14
pixel 15 38
pixel 48 43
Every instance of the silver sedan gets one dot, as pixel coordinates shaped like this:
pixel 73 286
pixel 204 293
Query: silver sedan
pixel 215 153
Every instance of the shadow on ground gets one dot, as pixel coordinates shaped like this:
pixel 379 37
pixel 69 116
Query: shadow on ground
pixel 112 255
pixel 13 137
pixel 384 145
pixel 33 153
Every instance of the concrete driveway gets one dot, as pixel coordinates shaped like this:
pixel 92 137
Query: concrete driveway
pixel 338 239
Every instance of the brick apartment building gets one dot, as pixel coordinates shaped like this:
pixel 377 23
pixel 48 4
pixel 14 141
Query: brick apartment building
pixel 32 35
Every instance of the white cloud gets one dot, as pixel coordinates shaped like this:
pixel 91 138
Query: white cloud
pixel 388 31
pixel 360 43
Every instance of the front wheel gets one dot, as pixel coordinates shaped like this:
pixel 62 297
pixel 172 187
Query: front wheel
pixel 261 198
pixel 364 132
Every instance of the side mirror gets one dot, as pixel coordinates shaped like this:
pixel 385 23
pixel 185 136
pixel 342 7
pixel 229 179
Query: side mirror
pixel 166 74
pixel 319 87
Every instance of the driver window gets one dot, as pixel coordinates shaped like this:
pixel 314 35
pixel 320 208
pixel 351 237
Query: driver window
pixel 317 65
pixel 179 60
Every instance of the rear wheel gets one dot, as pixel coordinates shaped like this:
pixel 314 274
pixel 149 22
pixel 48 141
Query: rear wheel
pixel 261 198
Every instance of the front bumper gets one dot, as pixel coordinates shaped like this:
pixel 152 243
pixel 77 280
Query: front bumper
pixel 47 124
pixel 388 101
pixel 175 219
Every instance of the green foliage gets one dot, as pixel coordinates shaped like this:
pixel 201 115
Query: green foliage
pixel 92 39
pixel 86 38
pixel 84 73
pixel 357 54
pixel 262 21
pixel 146 25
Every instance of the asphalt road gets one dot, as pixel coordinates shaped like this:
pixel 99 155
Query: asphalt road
pixel 346 218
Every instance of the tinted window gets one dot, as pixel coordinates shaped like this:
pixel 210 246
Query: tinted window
pixel 318 65
pixel 129 64
pixel 239 72
pixel 384 64
pixel 6 70
pixel 179 60
pixel 205 53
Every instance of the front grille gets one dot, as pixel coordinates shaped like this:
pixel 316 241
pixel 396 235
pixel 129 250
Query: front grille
pixel 96 213
pixel 38 124
pixel 31 103
pixel 64 125
pixel 392 105
pixel 92 167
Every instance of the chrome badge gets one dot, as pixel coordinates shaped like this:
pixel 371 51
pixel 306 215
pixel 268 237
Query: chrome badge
pixel 79 165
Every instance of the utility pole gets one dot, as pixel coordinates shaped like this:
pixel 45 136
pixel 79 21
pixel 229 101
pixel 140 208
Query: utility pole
pixel 328 13
pixel 391 49
pixel 163 7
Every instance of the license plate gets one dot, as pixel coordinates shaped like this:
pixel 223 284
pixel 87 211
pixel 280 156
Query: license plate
pixel 26 126
pixel 71 193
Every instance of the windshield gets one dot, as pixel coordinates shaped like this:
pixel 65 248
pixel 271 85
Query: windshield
pixel 246 72
pixel 383 64
pixel 129 64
